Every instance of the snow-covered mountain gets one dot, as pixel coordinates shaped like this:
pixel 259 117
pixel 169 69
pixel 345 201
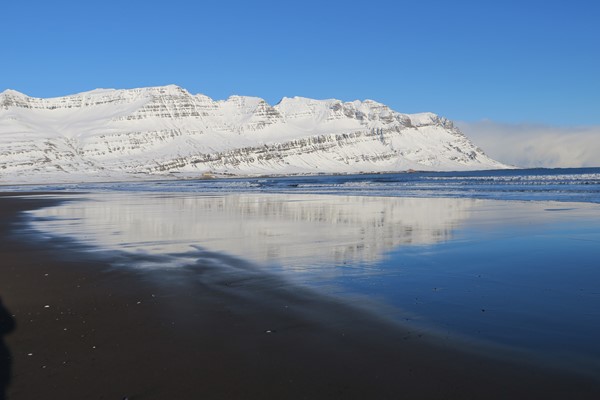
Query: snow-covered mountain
pixel 166 132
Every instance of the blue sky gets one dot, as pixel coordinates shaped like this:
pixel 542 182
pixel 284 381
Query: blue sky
pixel 512 62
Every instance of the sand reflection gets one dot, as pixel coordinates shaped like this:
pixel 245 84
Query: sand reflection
pixel 288 230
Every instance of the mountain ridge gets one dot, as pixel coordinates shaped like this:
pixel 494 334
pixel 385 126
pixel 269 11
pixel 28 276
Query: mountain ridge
pixel 165 131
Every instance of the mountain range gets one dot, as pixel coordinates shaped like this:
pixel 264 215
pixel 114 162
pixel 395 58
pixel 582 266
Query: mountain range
pixel 166 132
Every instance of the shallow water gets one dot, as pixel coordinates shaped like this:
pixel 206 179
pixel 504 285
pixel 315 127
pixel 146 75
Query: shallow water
pixel 519 276
pixel 493 259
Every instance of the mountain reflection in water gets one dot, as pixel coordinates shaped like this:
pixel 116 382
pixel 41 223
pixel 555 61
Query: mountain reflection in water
pixel 520 275
pixel 287 230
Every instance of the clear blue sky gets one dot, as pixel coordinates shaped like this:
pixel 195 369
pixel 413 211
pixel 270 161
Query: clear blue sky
pixel 508 61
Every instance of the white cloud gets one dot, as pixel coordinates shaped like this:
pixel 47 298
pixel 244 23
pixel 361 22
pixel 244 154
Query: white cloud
pixel 529 145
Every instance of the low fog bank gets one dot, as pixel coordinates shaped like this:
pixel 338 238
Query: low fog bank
pixel 531 145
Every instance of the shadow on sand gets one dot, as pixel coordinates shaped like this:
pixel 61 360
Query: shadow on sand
pixel 7 325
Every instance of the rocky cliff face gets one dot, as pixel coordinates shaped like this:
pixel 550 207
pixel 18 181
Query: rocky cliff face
pixel 166 131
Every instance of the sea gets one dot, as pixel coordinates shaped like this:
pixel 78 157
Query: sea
pixel 559 184
pixel 507 260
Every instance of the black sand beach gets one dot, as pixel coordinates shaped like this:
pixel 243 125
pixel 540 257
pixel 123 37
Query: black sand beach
pixel 84 329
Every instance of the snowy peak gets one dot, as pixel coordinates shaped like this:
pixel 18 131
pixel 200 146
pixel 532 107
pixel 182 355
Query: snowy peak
pixel 12 98
pixel 11 93
pixel 332 109
pixel 92 97
pixel 165 130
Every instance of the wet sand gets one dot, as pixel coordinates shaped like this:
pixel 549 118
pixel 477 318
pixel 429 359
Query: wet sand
pixel 87 330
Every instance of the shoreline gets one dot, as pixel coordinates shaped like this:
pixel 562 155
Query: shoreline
pixel 204 332
pixel 207 175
